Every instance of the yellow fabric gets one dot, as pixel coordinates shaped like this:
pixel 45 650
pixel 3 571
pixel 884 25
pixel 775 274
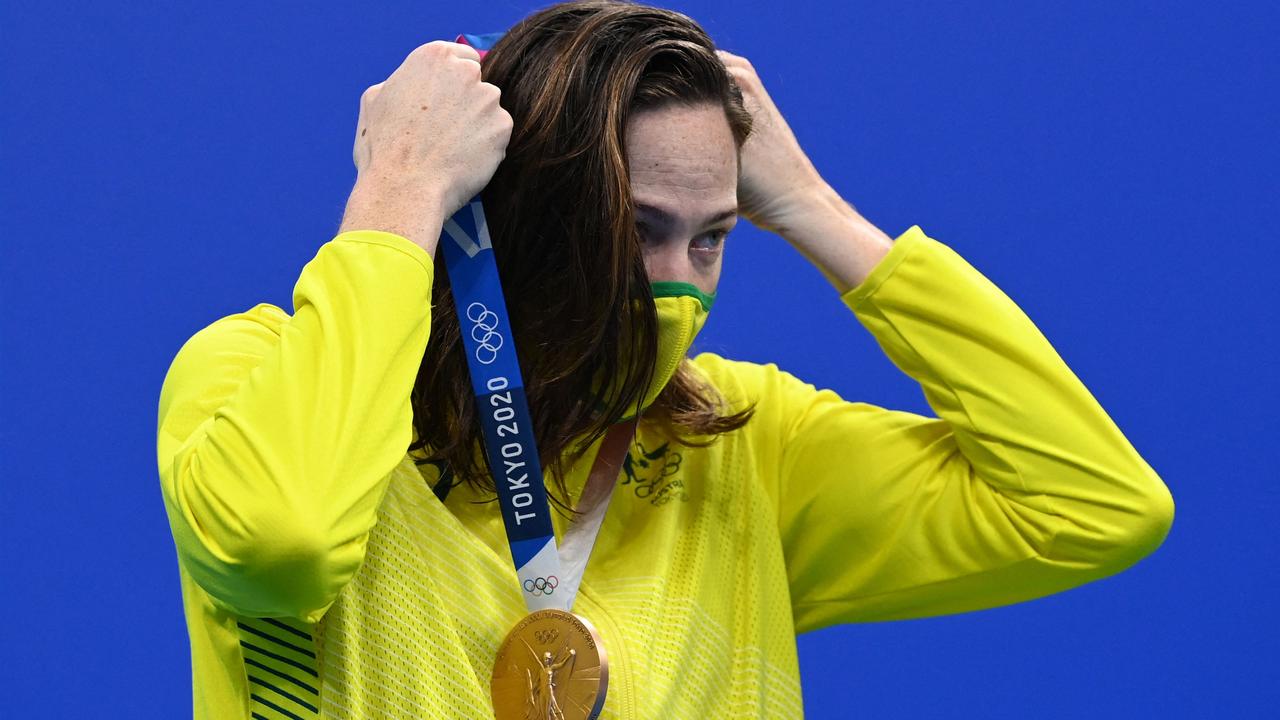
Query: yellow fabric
pixel 281 451
pixel 680 318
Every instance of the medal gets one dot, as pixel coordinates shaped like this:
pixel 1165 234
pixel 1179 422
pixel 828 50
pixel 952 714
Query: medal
pixel 551 666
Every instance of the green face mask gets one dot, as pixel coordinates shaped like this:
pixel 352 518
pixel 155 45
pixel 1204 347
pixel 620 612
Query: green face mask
pixel 682 309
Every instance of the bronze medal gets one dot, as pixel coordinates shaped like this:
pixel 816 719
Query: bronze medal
pixel 551 666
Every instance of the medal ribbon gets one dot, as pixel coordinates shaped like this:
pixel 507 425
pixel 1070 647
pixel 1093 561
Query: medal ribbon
pixel 508 430
pixel 500 402
pixel 549 579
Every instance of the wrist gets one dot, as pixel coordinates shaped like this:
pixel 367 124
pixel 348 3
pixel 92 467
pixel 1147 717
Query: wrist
pixel 835 237
pixel 388 202
pixel 817 206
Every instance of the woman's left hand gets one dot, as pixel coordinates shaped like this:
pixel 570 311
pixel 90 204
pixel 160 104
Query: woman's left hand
pixel 780 190
pixel 775 175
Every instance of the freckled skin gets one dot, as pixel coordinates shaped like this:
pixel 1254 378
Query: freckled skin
pixel 683 161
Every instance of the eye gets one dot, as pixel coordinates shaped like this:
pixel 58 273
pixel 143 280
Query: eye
pixel 645 233
pixel 710 242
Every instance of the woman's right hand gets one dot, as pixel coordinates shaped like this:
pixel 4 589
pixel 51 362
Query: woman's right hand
pixel 431 134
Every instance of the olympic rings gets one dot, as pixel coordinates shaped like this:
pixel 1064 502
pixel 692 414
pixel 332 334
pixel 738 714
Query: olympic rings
pixel 484 332
pixel 541 586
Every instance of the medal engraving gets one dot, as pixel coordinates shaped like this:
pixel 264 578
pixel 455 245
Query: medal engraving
pixel 551 666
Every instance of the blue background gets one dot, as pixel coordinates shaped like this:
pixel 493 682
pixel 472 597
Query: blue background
pixel 1110 165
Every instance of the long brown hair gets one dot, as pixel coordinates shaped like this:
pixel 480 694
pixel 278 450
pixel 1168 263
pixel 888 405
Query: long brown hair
pixel 562 224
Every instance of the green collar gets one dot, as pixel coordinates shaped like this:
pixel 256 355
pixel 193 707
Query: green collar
pixel 681 289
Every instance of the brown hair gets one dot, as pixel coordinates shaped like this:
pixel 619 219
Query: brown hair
pixel 562 224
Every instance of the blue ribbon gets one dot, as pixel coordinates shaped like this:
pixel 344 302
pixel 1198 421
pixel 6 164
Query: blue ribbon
pixel 495 379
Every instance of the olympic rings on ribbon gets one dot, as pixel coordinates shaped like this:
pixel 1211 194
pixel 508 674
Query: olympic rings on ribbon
pixel 541 586
pixel 484 332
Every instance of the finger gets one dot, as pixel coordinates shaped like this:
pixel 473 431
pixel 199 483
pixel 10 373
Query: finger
pixel 367 97
pixel 436 48
pixel 465 52
pixel 359 143
pixel 369 94
pixel 453 48
pixel 747 80
pixel 731 60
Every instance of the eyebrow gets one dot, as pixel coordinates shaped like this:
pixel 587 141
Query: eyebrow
pixel 667 218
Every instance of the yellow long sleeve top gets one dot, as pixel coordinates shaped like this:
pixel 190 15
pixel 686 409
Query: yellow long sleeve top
pixel 322 576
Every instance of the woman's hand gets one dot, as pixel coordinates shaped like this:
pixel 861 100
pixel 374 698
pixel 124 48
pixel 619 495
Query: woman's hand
pixel 428 138
pixel 780 190
pixel 775 173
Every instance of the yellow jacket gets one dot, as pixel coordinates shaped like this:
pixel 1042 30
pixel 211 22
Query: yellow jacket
pixel 320 572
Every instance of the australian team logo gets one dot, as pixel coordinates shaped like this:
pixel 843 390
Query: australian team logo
pixel 484 331
pixel 653 474
pixel 541 586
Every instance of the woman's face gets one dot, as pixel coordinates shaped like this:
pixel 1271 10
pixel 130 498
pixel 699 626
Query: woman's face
pixel 684 181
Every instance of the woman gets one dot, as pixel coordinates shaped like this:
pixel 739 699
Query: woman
pixel 324 475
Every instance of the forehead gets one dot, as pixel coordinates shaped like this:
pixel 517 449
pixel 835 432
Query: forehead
pixel 682 156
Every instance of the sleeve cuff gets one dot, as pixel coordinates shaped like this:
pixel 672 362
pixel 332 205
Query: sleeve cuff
pixel 902 247
pixel 391 240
